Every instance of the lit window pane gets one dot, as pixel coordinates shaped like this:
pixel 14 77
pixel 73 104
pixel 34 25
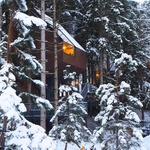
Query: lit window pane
pixel 68 49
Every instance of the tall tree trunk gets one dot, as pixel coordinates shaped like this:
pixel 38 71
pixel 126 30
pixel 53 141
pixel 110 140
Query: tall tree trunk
pixel 108 65
pixel 66 146
pixel 101 50
pixel 29 91
pixel 2 138
pixel 101 66
pixel 55 62
pixel 117 117
pixel 43 62
pixel 10 38
pixel 11 33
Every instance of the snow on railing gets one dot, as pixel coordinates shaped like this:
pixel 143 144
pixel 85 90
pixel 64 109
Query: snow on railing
pixel 34 111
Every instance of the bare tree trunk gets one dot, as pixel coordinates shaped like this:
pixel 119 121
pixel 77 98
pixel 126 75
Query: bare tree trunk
pixel 2 138
pixel 101 50
pixel 10 34
pixel 43 62
pixel 66 146
pixel 55 62
pixel 117 117
pixel 101 66
pixel 108 65
pixel 29 91
pixel 143 117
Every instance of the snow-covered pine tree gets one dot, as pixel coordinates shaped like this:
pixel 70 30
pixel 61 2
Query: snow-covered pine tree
pixel 142 55
pixel 71 110
pixel 20 133
pixel 111 31
pixel 72 16
pixel 15 63
pixel 17 43
pixel 119 122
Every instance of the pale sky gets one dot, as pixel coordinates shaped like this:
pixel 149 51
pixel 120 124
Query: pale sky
pixel 139 1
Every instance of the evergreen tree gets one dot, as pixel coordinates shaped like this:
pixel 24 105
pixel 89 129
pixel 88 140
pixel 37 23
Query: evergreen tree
pixel 119 123
pixel 111 32
pixel 20 133
pixel 71 14
pixel 142 55
pixel 72 126
pixel 16 65
pixel 17 43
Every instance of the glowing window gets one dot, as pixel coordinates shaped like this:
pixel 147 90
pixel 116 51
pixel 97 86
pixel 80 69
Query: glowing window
pixel 97 73
pixel 68 49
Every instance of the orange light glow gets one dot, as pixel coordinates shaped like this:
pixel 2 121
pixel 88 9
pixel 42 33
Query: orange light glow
pixel 97 75
pixel 68 49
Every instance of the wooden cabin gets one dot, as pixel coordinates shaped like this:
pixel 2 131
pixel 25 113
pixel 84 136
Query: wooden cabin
pixel 70 52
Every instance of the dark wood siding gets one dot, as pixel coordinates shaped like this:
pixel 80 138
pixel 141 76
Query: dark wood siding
pixel 78 60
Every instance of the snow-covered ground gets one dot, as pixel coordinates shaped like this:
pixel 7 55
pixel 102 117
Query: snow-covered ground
pixel 146 143
pixel 60 145
pixel 147 115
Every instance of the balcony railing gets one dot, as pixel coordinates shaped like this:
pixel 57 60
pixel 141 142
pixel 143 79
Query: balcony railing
pixel 33 111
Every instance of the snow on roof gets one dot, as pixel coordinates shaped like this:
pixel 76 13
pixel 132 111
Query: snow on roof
pixel 64 35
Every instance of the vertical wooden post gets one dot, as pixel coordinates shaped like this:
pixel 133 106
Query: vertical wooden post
pixel 43 62
pixel 55 62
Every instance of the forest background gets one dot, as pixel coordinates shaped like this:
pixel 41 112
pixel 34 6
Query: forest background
pixel 115 35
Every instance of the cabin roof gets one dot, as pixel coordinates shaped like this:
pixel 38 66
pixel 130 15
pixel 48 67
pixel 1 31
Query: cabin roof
pixel 62 33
